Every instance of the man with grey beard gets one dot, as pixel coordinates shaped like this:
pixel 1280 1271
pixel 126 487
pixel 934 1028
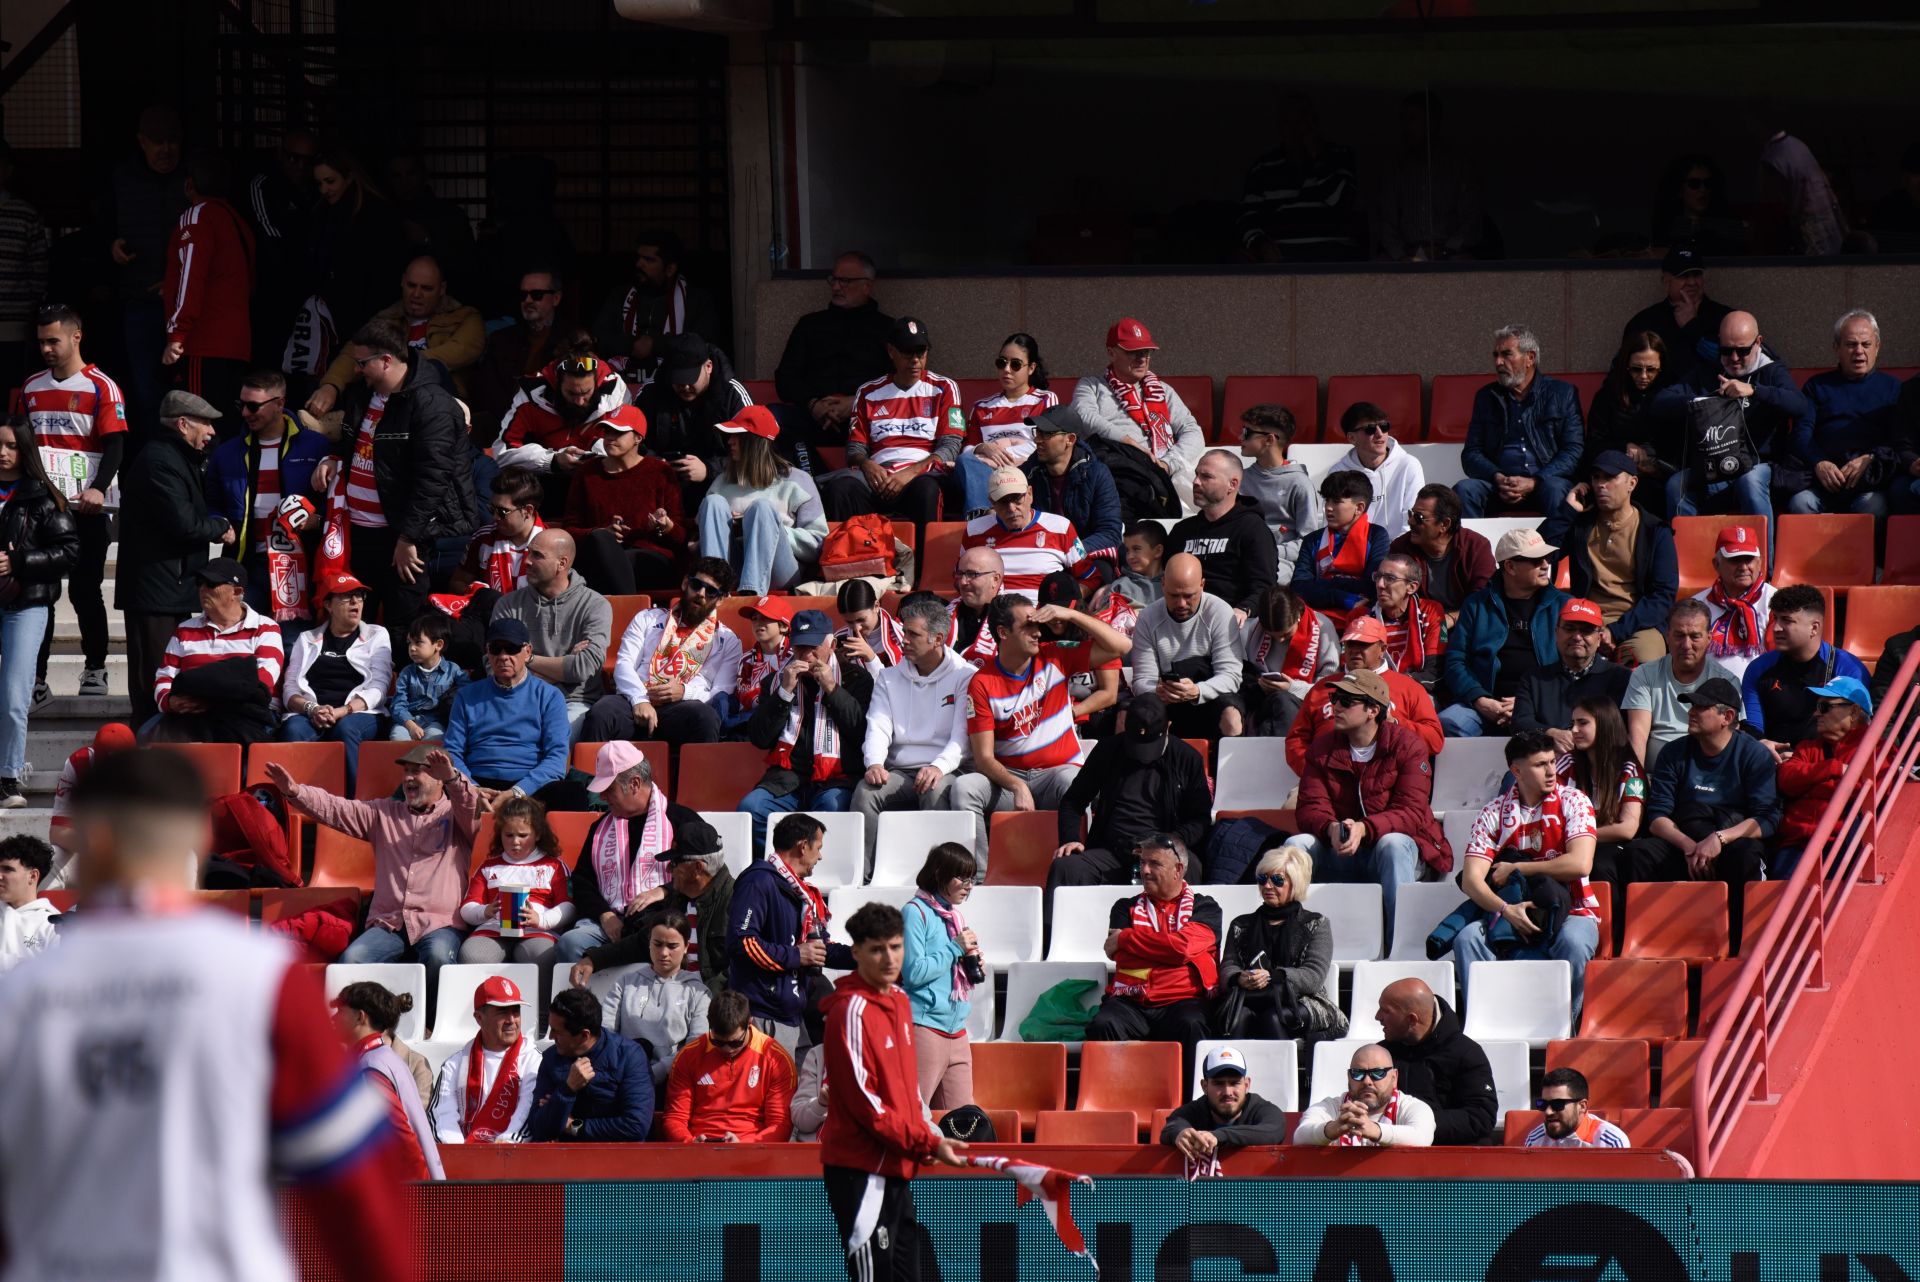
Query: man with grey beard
pixel 1525 437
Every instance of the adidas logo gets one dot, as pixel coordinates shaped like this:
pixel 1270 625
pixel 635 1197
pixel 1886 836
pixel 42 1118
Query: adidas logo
pixel 706 1079
pixel 889 1045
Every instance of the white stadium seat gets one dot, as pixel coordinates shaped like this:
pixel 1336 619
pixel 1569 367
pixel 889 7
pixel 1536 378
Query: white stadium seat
pixel 1274 1066
pixel 1234 901
pixel 1439 461
pixel 905 837
pixel 1330 1060
pixel 1006 920
pixel 1370 978
pixel 1356 913
pixel 1027 980
pixel 1530 1001
pixel 1512 1079
pixel 1252 774
pixel 1467 773
pixel 1080 915
pixel 453 1014
pixel 736 837
pixel 1421 906
pixel 1495 526
pixel 844 901
pixel 599 984
pixel 844 860
pixel 395 977
pixel 1317 459
pixel 1458 825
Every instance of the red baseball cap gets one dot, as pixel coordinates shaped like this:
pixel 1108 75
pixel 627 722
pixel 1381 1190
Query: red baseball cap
pixel 1738 540
pixel 340 584
pixel 113 736
pixel 497 990
pixel 1129 335
pixel 757 419
pixel 777 608
pixel 1581 610
pixel 627 418
pixel 1367 630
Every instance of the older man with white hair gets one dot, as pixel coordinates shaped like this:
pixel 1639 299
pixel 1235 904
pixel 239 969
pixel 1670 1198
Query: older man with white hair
pixel 1373 1112
pixel 1843 457
pixel 1525 437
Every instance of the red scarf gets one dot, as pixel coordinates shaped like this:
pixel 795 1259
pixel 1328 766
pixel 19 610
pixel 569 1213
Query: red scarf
pixel 887 639
pixel 675 321
pixel 813 905
pixel 1387 1118
pixel 500 560
pixel 486 1123
pixel 1146 916
pixel 826 735
pixel 287 560
pixel 1146 404
pixel 1350 560
pixel 1541 838
pixel 754 669
pixel 1738 627
pixel 1414 653
pixel 1303 648
pixel 336 541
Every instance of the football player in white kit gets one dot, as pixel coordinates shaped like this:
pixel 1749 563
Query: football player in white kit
pixel 166 1063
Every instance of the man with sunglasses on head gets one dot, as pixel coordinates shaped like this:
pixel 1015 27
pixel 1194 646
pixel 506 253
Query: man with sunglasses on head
pixel 551 427
pixel 1396 476
pixel 1373 1113
pixel 1525 436
pixel 1564 1119
pixel 671 662
pixel 271 459
pixel 515 353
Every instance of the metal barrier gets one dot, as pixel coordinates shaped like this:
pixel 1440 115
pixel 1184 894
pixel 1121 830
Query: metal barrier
pixel 1788 955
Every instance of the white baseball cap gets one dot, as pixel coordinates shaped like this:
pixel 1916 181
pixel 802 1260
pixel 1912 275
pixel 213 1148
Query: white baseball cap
pixel 1224 1059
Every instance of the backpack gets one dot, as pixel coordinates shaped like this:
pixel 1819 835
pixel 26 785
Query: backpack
pixel 1718 447
pixel 1145 491
pixel 249 842
pixel 859 547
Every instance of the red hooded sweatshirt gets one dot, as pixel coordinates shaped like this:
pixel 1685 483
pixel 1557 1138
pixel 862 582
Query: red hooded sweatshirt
pixel 876 1122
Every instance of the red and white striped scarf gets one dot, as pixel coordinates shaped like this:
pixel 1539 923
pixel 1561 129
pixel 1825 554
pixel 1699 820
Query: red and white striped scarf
pixel 887 640
pixel 1737 630
pixel 826 735
pixel 1303 649
pixel 1411 651
pixel 950 918
pixel 1147 916
pixel 622 879
pixel 754 669
pixel 336 540
pixel 1387 1118
pixel 287 560
pixel 813 905
pixel 1146 404
pixel 676 318
pixel 485 1121
pixel 501 560
pixel 1545 832
pixel 1054 1188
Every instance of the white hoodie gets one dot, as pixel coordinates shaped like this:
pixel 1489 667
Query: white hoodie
pixel 914 721
pixel 1395 486
pixel 24 931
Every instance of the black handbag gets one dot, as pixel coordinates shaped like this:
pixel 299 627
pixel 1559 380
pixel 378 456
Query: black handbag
pixel 1718 448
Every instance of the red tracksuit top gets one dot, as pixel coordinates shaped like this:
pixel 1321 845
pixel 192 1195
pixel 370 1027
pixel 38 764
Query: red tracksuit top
pixel 209 284
pixel 875 1121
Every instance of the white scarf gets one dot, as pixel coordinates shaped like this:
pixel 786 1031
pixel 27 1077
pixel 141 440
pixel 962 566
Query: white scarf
pixel 621 880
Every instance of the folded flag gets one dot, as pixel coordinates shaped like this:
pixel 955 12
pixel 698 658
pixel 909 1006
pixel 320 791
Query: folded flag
pixel 1054 1189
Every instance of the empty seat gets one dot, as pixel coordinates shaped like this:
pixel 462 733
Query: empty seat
pixel 1300 393
pixel 1616 1071
pixel 1252 773
pixel 1635 997
pixel 1876 613
pixel 320 765
pixel 1355 913
pixel 941 550
pixel 1467 773
pixel 1903 551
pixel 1684 919
pixel 1272 1063
pixel 1519 1123
pixel 1658 1129
pixel 1397 394
pixel 1020 846
pixel 1603 905
pixel 1006 921
pixel 1080 915
pixel 1196 390
pixel 1679 1063
pixel 453 1013
pixel 1453 405
pixel 1027 980
pixel 1131 1077
pixel 1512 1076
pixel 1370 979
pixel 714 776
pixel 395 977
pixel 340 860
pixel 1716 985
pixel 218 764
pixel 1079 1126
pixel 1833 549
pixel 736 837
pixel 905 836
pixel 1418 908
pixel 843 862
pixel 1439 461
pixel 1530 1001
pixel 1696 537
pixel 1026 1077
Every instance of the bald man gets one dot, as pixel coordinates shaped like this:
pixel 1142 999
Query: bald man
pixel 1229 536
pixel 1438 1063
pixel 571 624
pixel 1186 650
pixel 1373 1112
pixel 978 577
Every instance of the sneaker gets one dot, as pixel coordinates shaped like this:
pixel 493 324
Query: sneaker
pixel 42 696
pixel 93 681
pixel 11 798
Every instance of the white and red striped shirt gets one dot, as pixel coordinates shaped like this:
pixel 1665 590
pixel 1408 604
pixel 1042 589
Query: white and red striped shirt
pixel 363 491
pixel 266 494
pixel 197 642
pixel 999 421
pixel 1531 833
pixel 900 426
pixel 544 881
pixel 72 413
pixel 1049 543
pixel 78 763
pixel 1031 715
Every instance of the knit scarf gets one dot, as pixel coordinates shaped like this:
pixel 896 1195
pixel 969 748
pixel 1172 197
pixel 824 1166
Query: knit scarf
pixel 287 560
pixel 1303 649
pixel 813 905
pixel 826 735
pixel 621 879
pixel 950 917
pixel 485 1121
pixel 1146 404
pixel 1737 630
pixel 1414 653
pixel 1147 916
pixel 500 559
pixel 1349 559
pixel 679 654
pixel 336 541
pixel 1387 1118
pixel 676 318
pixel 754 669
pixel 982 647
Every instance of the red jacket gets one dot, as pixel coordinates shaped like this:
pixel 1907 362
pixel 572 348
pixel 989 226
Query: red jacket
pixel 210 282
pixel 749 1095
pixel 1808 780
pixel 875 1119
pixel 1170 965
pixel 1391 793
pixel 1412 707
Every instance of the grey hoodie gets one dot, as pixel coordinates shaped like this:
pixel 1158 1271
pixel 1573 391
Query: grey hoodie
pixel 1290 504
pixel 578 614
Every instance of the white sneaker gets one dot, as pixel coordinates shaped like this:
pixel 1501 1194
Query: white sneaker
pixel 93 681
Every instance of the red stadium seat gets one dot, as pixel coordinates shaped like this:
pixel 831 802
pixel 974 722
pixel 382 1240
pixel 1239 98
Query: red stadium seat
pixel 1876 613
pixel 1585 386
pixel 1903 550
pixel 340 860
pixel 1006 1124
pixel 1683 919
pixel 1761 900
pixel 1026 1077
pixel 1452 405
pixel 379 773
pixel 1602 891
pixel 1020 847
pixel 656 751
pixel 714 776
pixel 1197 391
pixel 1679 1059
pixel 1159 1124
pixel 1658 1128
pixel 1519 1121
pixel 218 763
pixel 1616 1071
pixel 1801 373
pixel 1694 539
pixel 1397 394
pixel 1831 549
pixel 1635 998
pixel 761 390
pixel 975 390
pixel 1077 1126
pixel 319 765
pixel 1300 393
pixel 1716 982
pixel 942 552
pixel 1131 1077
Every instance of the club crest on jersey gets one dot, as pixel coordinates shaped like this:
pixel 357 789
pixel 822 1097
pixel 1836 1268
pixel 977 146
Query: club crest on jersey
pixel 753 1077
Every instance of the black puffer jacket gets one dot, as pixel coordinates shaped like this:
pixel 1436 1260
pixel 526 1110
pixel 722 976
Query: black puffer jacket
pixel 164 528
pixel 38 534
pixel 422 456
pixel 1448 1070
pixel 678 427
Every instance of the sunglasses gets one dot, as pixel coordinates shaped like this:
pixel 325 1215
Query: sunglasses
pixel 1555 1105
pixel 701 587
pixel 1013 363
pixel 508 510
pixel 1421 518
pixel 1828 705
pixel 1348 701
pixel 254 407
pixel 48 313
pixel 497 648
pixel 537 294
pixel 1729 349
pixel 1369 429
pixel 575 366
pixel 1272 879
pixel 1368 1074
pixel 729 1044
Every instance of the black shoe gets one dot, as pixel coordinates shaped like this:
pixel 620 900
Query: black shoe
pixel 11 798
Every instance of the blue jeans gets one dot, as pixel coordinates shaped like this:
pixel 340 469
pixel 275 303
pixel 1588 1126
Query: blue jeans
pixel 1746 495
pixel 574 943
pixel 972 475
pixel 347 731
pixel 400 733
pixel 20 633
pixel 1548 496
pixel 1462 721
pixel 1392 861
pixel 762 805
pixel 1813 500
pixel 1579 939
pixel 433 950
pixel 766 557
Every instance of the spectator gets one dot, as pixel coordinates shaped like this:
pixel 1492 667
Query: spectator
pixel 164 532
pixel 516 352
pixel 427 320
pixel 146 196
pixel 248 476
pixel 495 559
pixel 1525 437
pixel 1892 658
pixel 1086 647
pixel 1131 405
pixel 221 671
pixel 1000 430
pixel 1375 1112
pixel 1413 623
pixel 427 218
pixel 1770 403
pixel 1141 782
pixel 1279 956
pixel 1740 602
pixel 1032 545
pixel 1686 321
pixel 509 733
pixel 1430 208
pixel 1068 480
pixel 337 676
pixel 1655 712
pixel 701 891
pixel 1364 649
pixel 1454 562
pixel 1546 699
pixel 423 692
pixel 1794 181
pixel 1288 646
pixel 1693 211
pixel 208 286
pixel 404 450
pixel 940 968
pixel 523 867
pixel 38 544
pixel 1437 1063
pixel 659 1003
pixel 625 863
pixel 112 737
pixel 778 928
pixel 978 579
pixel 1279 487
pixel 1300 203
pixel 77 415
pixel 281 201
pixel 1019 723
pixel 569 622
pixel 1227 535
pixel 869 634
pixel 1503 635
pixel 1337 564
pixel 906 430
pixel 625 512
pixel 593 1083
pixel 1619 556
pixel 1227 1116
pixel 1366 796
pixel 810 1093
pixel 1810 778
pixel 358 245
pixel 1395 476
pixel 694 391
pixel 422 841
pixel 1186 650
pixel 657 305
pixel 916 736
pixel 829 355
pixel 1564 1119
pixel 671 661
pixel 1603 768
pixel 24 245
pixel 1163 942
pixel 486 1089
pixel 1843 456
pixel 808 718
pixel 1621 417
pixel 1538 828
pixel 761 513
pixel 26 918
pixel 554 422
pixel 364 1013
pixel 1144 554
pixel 771 618
pixel 1779 703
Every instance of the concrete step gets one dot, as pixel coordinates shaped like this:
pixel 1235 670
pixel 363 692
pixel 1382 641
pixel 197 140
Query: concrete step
pixel 48 750
pixel 91 710
pixel 64 668
pixel 32 822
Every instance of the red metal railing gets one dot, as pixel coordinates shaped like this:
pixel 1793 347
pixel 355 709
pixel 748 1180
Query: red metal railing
pixel 1788 955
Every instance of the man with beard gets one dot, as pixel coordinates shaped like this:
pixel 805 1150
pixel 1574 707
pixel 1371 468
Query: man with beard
pixel 517 352
pixel 1564 1119
pixel 549 428
pixel 1374 1112
pixel 1229 535
pixel 657 305
pixel 1525 436
pixel 670 663
pixel 694 390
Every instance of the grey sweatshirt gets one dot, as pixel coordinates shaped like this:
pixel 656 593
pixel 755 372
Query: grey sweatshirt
pixel 1159 642
pixel 1289 503
pixel 578 614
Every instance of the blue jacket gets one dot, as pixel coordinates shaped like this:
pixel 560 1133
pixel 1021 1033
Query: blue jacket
pixel 763 924
pixel 1338 592
pixel 1089 499
pixel 1741 779
pixel 233 474
pixel 1845 419
pixel 1656 566
pixel 615 1107
pixel 1775 407
pixel 1471 662
pixel 418 693
pixel 518 734
pixel 1844 665
pixel 927 973
pixel 1546 420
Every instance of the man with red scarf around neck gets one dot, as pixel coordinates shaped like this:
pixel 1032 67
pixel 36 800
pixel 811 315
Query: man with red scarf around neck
pixel 1373 1113
pixel 485 1090
pixel 1413 622
pixel 1363 648
pixel 1164 942
pixel 1740 602
pixel 1128 403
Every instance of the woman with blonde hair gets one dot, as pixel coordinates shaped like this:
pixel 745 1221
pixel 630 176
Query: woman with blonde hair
pixel 1274 973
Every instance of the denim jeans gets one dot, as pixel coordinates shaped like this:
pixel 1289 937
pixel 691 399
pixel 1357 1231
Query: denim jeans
pixel 575 942
pixel 1476 495
pixel 1746 495
pixel 766 557
pixel 763 805
pixel 348 731
pixel 1462 721
pixel 20 634
pixel 1392 861
pixel 1811 501
pixel 1578 940
pixel 433 950
pixel 973 475
pixel 400 733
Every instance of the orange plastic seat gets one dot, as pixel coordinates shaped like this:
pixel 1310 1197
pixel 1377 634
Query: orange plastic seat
pixel 1683 919
pixel 1679 1060
pixel 1130 1077
pixel 1831 549
pixel 1876 613
pixel 1518 1122
pixel 1078 1126
pixel 237 902
pixel 1763 900
pixel 218 763
pixel 1006 1124
pixel 1020 847
pixel 1616 1071
pixel 1635 997
pixel 1028 1078
pixel 1300 393
pixel 1694 539
pixel 318 765
pixel 1656 1129
pixel 1903 551
pixel 1603 892
pixel 714 776
pixel 1197 391
pixel 379 774
pixel 1453 405
pixel 340 860
pixel 942 553
pixel 1159 1124
pixel 1397 394
pixel 1716 983
pixel 656 751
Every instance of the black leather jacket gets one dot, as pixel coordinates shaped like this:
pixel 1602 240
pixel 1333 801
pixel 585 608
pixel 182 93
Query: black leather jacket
pixel 39 536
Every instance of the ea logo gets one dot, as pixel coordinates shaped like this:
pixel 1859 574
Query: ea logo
pixel 1585 1242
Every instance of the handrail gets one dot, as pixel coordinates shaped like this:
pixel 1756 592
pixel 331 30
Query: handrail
pixel 35 49
pixel 1789 954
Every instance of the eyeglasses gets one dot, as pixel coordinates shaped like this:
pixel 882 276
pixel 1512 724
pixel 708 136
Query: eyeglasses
pixel 498 648
pixel 850 280
pixel 1273 879
pixel 1368 1074
pixel 1384 577
pixel 508 510
pixel 968 576
pixel 361 362
pixel 537 294
pixel 1013 363
pixel 254 407
pixel 1369 429
pixel 1555 1105
pixel 703 587
pixel 728 1044
pixel 1729 349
